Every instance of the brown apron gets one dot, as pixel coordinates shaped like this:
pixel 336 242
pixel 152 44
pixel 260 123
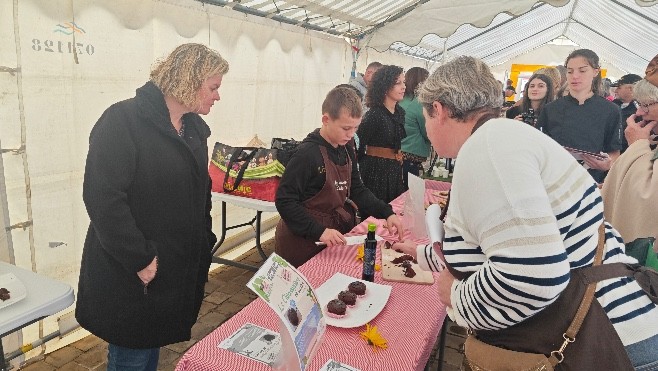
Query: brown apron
pixel 327 207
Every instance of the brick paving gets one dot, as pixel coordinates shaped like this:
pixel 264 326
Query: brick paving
pixel 226 294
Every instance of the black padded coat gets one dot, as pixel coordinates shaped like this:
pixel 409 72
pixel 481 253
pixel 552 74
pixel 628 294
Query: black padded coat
pixel 147 193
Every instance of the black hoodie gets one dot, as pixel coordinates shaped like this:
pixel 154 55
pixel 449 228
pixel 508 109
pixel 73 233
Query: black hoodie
pixel 304 177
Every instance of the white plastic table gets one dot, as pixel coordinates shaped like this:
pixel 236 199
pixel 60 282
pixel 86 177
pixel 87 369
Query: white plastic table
pixel 45 297
pixel 247 203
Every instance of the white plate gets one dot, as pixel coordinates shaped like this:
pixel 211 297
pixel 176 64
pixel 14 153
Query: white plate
pixel 367 307
pixel 17 291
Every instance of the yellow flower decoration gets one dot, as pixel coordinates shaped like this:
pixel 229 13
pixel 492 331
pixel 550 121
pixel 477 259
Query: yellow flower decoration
pixel 359 253
pixel 359 256
pixel 374 338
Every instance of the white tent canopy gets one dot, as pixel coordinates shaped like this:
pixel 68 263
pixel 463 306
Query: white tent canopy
pixel 619 31
pixel 493 30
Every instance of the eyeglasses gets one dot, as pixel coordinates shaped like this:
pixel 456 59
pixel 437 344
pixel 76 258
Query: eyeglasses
pixel 645 107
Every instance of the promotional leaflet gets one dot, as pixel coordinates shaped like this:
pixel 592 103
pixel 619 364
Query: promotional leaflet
pixel 255 342
pixel 292 298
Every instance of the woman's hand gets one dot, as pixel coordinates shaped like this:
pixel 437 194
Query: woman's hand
pixel 394 222
pixel 148 274
pixel 332 237
pixel 596 163
pixel 446 280
pixel 638 130
pixel 408 247
pixel 518 118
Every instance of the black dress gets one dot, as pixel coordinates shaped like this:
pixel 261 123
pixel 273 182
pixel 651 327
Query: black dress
pixel 381 128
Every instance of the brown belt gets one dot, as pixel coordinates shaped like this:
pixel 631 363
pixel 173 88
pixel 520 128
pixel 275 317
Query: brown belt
pixel 383 152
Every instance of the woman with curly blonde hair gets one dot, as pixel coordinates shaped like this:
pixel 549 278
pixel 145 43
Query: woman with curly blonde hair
pixel 147 192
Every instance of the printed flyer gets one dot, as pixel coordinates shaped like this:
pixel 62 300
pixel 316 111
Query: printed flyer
pixel 254 342
pixel 292 298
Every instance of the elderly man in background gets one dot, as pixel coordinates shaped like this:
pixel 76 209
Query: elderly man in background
pixel 625 101
pixel 630 192
pixel 362 81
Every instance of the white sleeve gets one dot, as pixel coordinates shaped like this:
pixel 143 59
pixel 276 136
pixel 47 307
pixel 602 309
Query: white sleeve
pixel 428 259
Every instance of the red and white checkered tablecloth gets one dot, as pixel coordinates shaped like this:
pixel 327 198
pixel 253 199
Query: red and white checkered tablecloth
pixel 410 321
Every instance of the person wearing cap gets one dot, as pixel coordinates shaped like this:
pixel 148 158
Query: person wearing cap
pixel 509 91
pixel 625 101
pixel 630 192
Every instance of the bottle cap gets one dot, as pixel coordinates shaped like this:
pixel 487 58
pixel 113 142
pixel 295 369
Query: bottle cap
pixel 372 227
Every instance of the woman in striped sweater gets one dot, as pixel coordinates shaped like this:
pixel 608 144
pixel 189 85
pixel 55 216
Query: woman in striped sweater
pixel 523 214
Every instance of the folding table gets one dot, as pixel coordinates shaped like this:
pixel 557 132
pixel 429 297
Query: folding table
pixel 248 203
pixel 45 297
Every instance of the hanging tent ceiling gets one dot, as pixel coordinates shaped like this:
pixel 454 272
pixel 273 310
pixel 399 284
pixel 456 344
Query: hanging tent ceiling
pixel 493 30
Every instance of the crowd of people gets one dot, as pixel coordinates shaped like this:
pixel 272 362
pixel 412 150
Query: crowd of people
pixel 523 226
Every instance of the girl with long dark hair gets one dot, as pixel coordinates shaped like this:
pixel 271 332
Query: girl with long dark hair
pixel 538 92
pixel 583 119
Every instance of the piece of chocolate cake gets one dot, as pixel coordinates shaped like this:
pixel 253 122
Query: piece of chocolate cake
pixel 403 258
pixel 357 287
pixel 407 269
pixel 293 316
pixel 336 307
pixel 347 297
pixel 4 294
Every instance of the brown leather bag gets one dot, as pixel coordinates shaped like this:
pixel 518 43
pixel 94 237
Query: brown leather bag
pixel 540 342
pixel 652 71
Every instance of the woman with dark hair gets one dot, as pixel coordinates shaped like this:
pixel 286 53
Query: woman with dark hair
pixel 538 92
pixel 416 146
pixel 583 119
pixel 381 133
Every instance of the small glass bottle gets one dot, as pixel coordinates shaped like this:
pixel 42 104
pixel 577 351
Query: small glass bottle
pixel 369 254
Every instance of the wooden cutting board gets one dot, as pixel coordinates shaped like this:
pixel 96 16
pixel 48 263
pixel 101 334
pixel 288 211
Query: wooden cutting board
pixel 394 273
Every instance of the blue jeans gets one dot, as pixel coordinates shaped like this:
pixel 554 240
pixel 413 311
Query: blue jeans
pixel 644 355
pixel 128 359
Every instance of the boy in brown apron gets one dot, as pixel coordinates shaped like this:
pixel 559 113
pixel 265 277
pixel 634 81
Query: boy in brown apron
pixel 321 189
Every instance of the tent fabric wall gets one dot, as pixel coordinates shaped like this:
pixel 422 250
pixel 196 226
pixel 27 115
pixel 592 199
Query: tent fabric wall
pixel 279 75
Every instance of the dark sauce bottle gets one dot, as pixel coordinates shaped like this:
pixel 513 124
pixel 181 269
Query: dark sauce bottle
pixel 369 253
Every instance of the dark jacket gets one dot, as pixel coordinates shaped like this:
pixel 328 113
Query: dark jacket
pixel 626 112
pixel 147 193
pixel 304 178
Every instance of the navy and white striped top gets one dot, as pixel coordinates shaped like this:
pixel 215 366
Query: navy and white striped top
pixel 522 214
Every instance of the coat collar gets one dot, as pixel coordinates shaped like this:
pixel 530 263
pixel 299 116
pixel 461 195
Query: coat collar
pixel 153 108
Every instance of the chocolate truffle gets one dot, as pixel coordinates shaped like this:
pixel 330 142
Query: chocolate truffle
pixel 347 297
pixel 4 294
pixel 357 287
pixel 336 307
pixel 293 316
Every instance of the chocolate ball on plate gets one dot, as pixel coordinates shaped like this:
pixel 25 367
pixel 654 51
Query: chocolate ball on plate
pixel 357 287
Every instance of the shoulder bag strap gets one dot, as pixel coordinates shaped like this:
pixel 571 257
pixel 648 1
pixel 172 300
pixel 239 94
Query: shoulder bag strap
pixel 557 356
pixel 238 155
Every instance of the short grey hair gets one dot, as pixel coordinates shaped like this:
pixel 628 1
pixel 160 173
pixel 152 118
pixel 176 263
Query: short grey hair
pixel 465 86
pixel 645 92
